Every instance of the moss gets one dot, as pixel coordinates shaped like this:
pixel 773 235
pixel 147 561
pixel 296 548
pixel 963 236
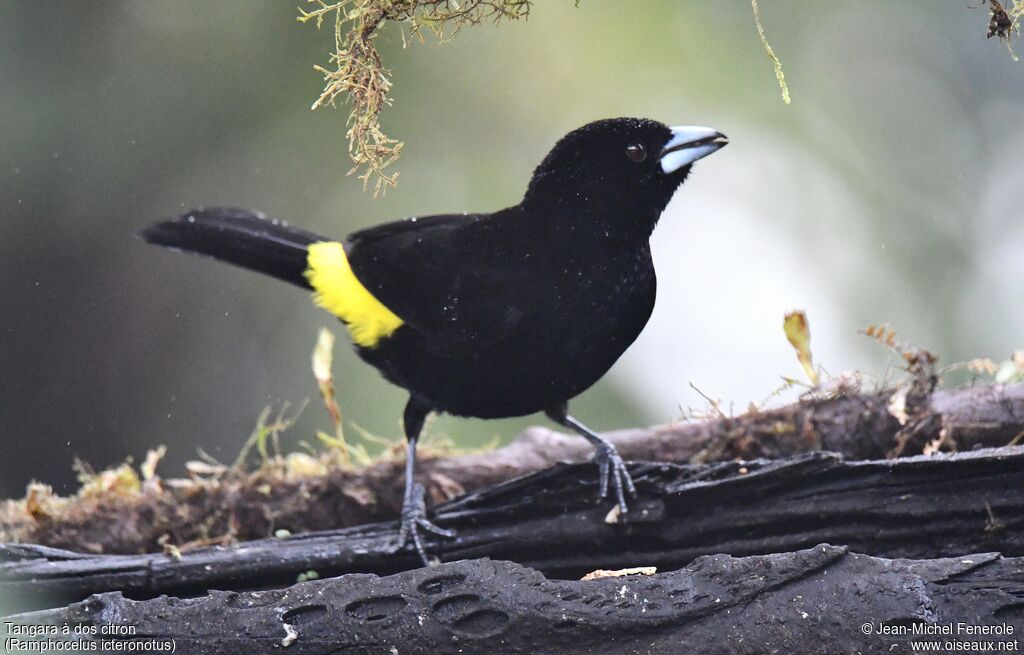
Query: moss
pixel 779 75
pixel 357 73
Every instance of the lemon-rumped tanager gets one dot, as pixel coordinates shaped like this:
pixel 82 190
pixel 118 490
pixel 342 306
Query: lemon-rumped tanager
pixel 489 315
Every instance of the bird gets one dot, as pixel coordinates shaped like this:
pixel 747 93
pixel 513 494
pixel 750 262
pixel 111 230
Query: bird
pixel 489 315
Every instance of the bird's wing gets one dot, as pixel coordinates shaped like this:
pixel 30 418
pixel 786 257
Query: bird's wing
pixel 445 276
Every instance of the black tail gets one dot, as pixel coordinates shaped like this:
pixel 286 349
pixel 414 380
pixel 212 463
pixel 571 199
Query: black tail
pixel 241 238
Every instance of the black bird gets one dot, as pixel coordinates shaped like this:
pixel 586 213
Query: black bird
pixel 489 315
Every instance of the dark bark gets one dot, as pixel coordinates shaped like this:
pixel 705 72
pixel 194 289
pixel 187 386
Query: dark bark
pixel 859 426
pixel 811 601
pixel 920 507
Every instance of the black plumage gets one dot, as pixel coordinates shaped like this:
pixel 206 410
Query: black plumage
pixel 507 313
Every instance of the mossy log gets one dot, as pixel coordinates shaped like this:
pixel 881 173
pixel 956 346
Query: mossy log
pixel 916 507
pixel 247 507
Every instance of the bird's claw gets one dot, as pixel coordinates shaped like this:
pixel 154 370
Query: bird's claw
pixel 612 468
pixel 414 519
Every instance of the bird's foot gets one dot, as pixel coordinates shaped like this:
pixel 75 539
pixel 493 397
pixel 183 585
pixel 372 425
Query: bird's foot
pixel 414 519
pixel 613 469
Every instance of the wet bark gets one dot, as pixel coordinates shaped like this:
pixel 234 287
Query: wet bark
pixel 819 600
pixel 916 507
pixel 246 507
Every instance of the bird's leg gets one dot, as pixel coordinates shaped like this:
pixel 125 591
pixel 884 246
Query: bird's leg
pixel 609 463
pixel 414 509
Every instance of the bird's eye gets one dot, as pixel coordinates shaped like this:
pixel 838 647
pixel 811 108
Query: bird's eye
pixel 636 152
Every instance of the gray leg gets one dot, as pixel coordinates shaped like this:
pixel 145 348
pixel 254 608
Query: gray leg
pixel 414 511
pixel 609 463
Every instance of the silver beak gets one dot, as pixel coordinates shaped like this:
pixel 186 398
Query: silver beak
pixel 688 144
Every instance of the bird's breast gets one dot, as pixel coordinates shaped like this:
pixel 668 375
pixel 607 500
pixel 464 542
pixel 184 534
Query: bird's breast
pixel 593 302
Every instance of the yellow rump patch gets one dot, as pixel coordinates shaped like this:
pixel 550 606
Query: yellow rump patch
pixel 337 290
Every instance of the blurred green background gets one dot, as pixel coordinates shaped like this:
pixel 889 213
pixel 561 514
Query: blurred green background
pixel 888 191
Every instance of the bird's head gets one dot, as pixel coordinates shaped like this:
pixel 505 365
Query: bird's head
pixel 618 174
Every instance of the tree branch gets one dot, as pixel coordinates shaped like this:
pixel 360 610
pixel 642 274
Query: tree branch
pixel 811 601
pixel 917 507
pixel 859 426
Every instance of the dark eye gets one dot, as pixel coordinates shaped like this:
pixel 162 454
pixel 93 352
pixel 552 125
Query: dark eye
pixel 636 152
